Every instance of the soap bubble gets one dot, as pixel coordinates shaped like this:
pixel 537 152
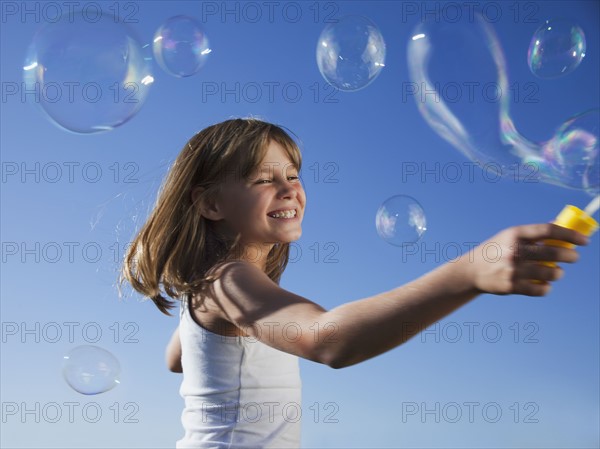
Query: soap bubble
pixel 350 53
pixel 400 220
pixel 572 154
pixel 571 158
pixel 459 78
pixel 91 370
pixel 88 76
pixel 556 48
pixel 461 88
pixel 181 46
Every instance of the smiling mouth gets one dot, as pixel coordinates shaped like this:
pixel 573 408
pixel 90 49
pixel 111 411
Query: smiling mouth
pixel 289 213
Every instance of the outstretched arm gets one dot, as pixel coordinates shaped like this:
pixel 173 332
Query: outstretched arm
pixel 359 330
pixel 173 353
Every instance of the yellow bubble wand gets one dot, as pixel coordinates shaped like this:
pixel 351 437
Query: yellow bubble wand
pixel 579 220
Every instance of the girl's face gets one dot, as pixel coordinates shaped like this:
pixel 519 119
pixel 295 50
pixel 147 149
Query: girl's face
pixel 268 206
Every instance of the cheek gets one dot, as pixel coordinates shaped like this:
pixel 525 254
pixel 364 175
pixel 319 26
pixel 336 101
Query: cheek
pixel 301 194
pixel 243 213
pixel 236 207
pixel 247 207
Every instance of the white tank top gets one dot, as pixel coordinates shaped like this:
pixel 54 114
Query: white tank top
pixel 238 392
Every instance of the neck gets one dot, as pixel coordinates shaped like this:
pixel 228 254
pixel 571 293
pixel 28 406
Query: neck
pixel 256 254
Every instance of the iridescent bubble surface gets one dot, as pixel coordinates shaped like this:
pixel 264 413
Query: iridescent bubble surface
pixel 88 74
pixel 351 53
pixel 400 220
pixel 181 46
pixel 461 87
pixel 572 154
pixel 91 370
pixel 556 49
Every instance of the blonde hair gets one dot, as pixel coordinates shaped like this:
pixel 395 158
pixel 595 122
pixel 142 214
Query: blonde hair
pixel 177 247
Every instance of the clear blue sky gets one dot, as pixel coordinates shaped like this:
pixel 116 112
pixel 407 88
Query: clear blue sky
pixel 500 372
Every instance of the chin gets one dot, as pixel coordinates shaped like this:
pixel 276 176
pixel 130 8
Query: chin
pixel 295 236
pixel 290 237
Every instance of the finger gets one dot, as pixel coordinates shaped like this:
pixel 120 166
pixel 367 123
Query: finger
pixel 538 272
pixel 528 288
pixel 548 253
pixel 550 231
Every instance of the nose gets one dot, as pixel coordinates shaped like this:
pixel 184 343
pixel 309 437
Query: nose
pixel 287 190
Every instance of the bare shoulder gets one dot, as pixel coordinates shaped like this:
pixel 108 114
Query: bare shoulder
pixel 239 284
pixel 246 294
pixel 255 304
pixel 213 309
pixel 236 271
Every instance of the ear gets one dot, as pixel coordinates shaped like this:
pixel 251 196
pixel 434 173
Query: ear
pixel 207 203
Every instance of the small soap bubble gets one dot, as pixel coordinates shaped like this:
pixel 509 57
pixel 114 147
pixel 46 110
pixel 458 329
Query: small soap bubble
pixel 91 370
pixel 180 46
pixel 556 49
pixel 351 53
pixel 400 220
pixel 88 77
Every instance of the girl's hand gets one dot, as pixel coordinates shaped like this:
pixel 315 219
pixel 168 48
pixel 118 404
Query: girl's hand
pixel 509 262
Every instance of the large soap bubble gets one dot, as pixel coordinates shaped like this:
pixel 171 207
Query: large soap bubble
pixel 460 84
pixel 87 73
pixel 90 369
pixel 350 53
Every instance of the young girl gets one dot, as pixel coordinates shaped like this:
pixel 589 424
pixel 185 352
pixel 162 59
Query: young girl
pixel 218 240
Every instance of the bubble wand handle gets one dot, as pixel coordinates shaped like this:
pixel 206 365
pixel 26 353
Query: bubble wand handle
pixel 573 218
